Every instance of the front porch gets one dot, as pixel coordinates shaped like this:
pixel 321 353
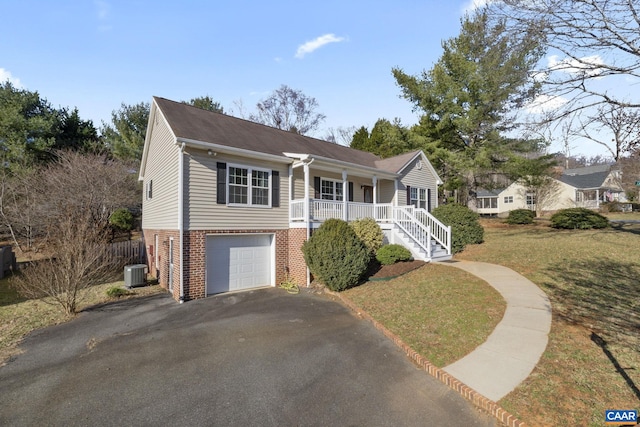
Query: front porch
pixel 415 228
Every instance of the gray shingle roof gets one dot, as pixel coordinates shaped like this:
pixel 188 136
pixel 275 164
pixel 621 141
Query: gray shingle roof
pixel 587 177
pixel 193 123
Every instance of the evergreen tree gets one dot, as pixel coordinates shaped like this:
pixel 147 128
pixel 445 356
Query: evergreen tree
pixel 468 98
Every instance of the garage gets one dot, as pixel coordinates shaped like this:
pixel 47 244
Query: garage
pixel 238 262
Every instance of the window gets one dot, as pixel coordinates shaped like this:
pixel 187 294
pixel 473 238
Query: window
pixel 487 203
pixel 508 199
pixel 248 186
pixel 149 189
pixel 418 197
pixel 531 201
pixel 331 190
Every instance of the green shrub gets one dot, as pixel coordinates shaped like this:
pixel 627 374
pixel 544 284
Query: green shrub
pixel 121 219
pixel 335 255
pixel 520 216
pixel 465 228
pixel 578 218
pixel 117 292
pixel 368 230
pixel 390 254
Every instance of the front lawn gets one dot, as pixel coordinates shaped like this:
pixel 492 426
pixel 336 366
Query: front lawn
pixel 442 312
pixel 592 362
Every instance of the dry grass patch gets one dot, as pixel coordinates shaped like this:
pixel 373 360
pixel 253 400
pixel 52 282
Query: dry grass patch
pixel 18 316
pixel 443 313
pixel 592 277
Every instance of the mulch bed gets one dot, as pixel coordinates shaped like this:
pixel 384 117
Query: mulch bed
pixel 378 272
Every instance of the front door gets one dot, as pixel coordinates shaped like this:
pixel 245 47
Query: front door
pixel 368 193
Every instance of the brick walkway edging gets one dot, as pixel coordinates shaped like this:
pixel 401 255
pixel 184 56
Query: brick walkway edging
pixel 465 391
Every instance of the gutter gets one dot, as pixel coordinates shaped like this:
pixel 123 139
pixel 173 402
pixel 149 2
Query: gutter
pixel 181 217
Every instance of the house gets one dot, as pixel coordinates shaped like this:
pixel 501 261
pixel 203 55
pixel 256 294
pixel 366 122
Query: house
pixel 228 203
pixel 586 187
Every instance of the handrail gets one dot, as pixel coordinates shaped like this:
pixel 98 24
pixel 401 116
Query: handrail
pixel 419 232
pixel 441 233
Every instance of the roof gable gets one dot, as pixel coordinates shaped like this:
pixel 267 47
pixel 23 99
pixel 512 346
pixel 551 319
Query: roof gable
pixel 587 177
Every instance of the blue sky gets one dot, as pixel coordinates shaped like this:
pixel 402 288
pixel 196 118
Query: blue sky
pixel 96 54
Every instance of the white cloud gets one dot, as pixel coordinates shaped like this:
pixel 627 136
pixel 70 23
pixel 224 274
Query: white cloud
pixel 472 5
pixel 545 103
pixel 103 10
pixel 6 75
pixel 588 66
pixel 317 43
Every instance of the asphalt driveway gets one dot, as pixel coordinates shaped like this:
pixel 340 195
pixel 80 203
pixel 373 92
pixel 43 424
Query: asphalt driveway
pixel 259 358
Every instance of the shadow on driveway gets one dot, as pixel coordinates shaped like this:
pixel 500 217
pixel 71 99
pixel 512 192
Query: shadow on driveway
pixel 254 358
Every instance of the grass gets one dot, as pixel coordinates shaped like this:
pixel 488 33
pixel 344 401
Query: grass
pixel 592 362
pixel 443 313
pixel 635 216
pixel 18 316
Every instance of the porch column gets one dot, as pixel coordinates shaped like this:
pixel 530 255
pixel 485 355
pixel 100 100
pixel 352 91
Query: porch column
pixel 345 196
pixel 290 171
pixel 375 197
pixel 375 189
pixel 597 198
pixel 306 198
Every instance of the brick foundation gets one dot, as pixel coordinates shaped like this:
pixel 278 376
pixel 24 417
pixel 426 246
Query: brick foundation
pixel 194 281
pixel 160 270
pixel 297 265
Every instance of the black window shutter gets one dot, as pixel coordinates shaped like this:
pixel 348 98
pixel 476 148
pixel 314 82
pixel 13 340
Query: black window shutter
pixel 150 189
pixel 221 193
pixel 350 191
pixel 275 189
pixel 428 199
pixel 408 195
pixel 316 187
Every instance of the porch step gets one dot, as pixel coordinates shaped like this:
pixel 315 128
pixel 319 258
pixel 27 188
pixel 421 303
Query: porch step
pixel 438 253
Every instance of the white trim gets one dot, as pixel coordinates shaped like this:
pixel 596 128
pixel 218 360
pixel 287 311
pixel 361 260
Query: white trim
pixel 272 249
pixel 233 150
pixel 250 170
pixel 336 182
pixel 426 161
pixel 181 218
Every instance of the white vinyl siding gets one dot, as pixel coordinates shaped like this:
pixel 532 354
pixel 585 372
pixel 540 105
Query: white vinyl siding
pixel 202 212
pixel 419 178
pixel 161 210
pixel 386 190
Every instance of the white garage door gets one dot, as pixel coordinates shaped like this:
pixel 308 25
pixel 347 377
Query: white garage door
pixel 238 262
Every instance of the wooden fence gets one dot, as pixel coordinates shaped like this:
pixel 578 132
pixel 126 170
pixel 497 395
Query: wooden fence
pixel 132 251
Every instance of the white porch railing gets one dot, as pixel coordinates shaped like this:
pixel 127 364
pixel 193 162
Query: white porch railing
pixel 441 233
pixel 419 224
pixel 407 222
pixel 321 210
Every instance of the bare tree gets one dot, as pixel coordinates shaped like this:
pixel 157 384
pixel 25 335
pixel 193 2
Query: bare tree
pixel 621 124
pixel 340 135
pixel 19 206
pixel 289 109
pixel 81 259
pixel 76 195
pixel 589 40
pixel 630 167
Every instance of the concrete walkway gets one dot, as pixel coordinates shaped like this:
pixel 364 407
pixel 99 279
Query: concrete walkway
pixel 513 349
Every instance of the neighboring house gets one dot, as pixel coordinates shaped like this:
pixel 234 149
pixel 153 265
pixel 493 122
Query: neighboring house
pixel 586 187
pixel 228 203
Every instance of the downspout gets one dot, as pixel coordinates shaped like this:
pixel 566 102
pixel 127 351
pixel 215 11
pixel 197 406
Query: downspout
pixel 181 217
pixel 307 210
pixel 345 195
